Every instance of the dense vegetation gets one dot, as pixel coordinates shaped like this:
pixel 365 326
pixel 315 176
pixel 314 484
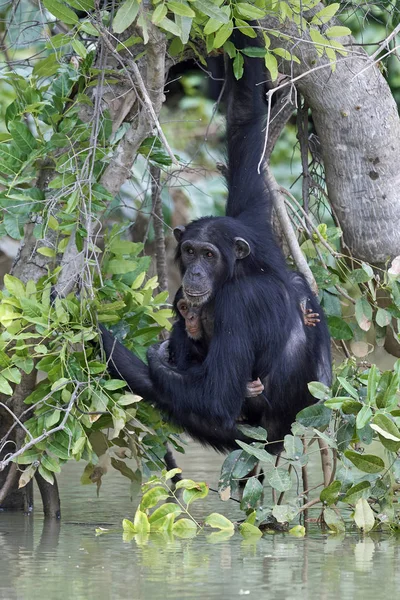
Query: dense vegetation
pixel 84 166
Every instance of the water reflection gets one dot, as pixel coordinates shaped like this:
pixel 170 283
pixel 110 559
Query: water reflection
pixel 58 561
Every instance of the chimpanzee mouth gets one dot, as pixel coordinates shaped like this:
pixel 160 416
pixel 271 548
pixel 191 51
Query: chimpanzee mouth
pixel 197 297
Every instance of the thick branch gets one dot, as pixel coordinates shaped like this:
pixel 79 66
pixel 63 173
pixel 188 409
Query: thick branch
pixel 359 129
pixel 295 250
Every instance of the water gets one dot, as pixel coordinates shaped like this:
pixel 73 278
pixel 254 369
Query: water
pixel 66 560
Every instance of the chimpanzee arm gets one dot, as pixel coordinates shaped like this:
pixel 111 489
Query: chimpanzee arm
pixel 215 390
pixel 123 364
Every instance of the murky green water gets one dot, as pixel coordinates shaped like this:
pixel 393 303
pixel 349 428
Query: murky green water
pixel 66 560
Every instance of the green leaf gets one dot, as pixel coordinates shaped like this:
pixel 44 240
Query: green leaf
pixel 298 531
pixel 238 66
pixel 45 251
pixel 157 518
pixel 383 317
pixel 223 34
pixel 364 516
pixel 210 9
pixel 114 384
pixel 339 329
pixel 368 463
pixel 184 528
pixel 198 493
pixel 373 380
pixel 141 523
pixel 279 479
pixel 79 48
pixel 330 494
pixel 272 65
pixel 285 54
pixel 125 16
pixel 284 513
pixel 14 286
pixel 363 312
pixel 46 474
pixel 61 12
pixel 385 427
pixel 254 433
pixel 348 387
pixel 121 267
pixel 248 530
pixel 334 521
pixel 326 14
pixel 248 11
pixel 363 417
pixel 293 447
pixel 159 14
pixel 28 457
pixel 128 526
pixel 86 5
pixel 319 390
pixel 246 29
pixel 356 492
pixel 254 52
pixel 337 31
pixel 153 497
pixel 25 363
pixel 217 521
pixel 170 26
pixel 5 387
pixel 12 374
pixel 50 463
pixel 59 450
pixel 212 26
pixel 251 494
pixel 259 453
pixel 314 416
pixel 181 9
pixel 22 137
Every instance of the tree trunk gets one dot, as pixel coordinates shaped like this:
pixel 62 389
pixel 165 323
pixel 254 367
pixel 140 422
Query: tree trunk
pixel 358 125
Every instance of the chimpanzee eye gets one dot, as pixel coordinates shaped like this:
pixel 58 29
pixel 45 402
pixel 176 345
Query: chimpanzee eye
pixel 209 254
pixel 190 250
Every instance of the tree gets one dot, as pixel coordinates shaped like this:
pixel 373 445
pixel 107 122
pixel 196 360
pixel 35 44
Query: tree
pixel 83 106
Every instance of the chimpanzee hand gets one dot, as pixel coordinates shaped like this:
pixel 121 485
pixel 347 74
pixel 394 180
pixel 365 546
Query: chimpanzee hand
pixel 254 388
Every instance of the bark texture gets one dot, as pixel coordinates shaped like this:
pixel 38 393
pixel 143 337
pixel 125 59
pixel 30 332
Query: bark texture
pixel 358 125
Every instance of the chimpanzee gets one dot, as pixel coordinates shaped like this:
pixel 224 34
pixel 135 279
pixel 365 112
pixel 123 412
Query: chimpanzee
pixel 234 265
pixel 191 336
pixel 193 330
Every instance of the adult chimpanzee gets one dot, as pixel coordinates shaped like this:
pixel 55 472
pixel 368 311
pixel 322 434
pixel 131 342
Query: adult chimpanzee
pixel 194 328
pixel 234 270
pixel 191 336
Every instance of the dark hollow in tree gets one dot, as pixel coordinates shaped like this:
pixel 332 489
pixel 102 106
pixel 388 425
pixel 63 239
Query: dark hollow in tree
pixel 234 270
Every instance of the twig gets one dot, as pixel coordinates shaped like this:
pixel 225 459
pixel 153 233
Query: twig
pixel 304 475
pixel 325 461
pixel 310 223
pixel 309 505
pixel 279 206
pixel 14 416
pixel 302 136
pixel 158 224
pixel 45 435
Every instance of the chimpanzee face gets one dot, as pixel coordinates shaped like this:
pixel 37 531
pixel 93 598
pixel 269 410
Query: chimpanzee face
pixel 203 266
pixel 192 316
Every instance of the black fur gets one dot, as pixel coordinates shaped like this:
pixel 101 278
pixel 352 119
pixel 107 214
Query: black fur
pixel 258 323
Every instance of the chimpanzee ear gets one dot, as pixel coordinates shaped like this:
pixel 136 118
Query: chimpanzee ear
pixel 178 232
pixel 242 248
